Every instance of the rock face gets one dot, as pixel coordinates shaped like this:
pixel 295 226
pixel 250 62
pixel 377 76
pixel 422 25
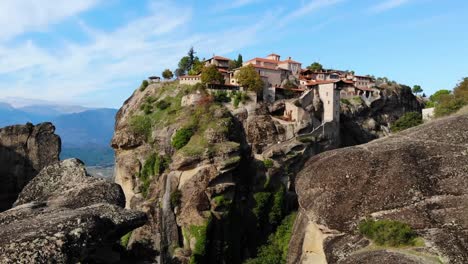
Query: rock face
pixel 418 176
pixel 65 216
pixel 363 121
pixel 24 151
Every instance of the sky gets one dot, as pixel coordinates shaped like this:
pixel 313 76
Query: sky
pixel 96 52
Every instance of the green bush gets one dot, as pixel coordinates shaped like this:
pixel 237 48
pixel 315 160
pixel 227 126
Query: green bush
pixel 140 125
pixel 162 105
pixel 182 137
pixel 345 101
pixel 268 163
pixel 449 104
pixel 276 212
pixel 408 120
pixel 261 205
pixel 200 235
pixel 221 97
pixel 276 250
pixel 222 201
pixel 388 232
pixel 153 166
pixel 124 240
pixel 146 108
pixel 143 85
pixel 175 198
pixel 239 97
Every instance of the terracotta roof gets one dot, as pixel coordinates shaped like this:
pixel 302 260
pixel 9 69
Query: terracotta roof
pixel 292 89
pixel 221 58
pixel 264 60
pixel 222 70
pixel 291 61
pixel 364 89
pixel 273 54
pixel 265 67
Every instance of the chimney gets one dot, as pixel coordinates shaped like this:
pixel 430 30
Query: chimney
pixel 289 58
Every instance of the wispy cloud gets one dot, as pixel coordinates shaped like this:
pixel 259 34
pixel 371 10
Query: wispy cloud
pixel 387 5
pixel 309 8
pixel 232 4
pixel 117 59
pixel 19 16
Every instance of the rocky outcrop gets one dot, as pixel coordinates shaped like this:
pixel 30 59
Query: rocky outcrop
pixel 66 216
pixel 363 120
pixel 24 151
pixel 418 176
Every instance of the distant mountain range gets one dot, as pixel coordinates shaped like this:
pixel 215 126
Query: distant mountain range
pixel 86 133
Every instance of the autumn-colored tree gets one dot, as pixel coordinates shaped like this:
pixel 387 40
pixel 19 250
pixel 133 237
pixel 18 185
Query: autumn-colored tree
pixel 249 78
pixel 461 90
pixel 167 74
pixel 211 75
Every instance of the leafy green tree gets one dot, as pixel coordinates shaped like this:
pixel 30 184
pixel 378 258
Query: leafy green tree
pixel 461 90
pixel 315 67
pixel 185 64
pixel 249 78
pixel 179 72
pixel 197 67
pixel 437 95
pixel 232 64
pixel 167 74
pixel 191 57
pixel 211 74
pixel 417 89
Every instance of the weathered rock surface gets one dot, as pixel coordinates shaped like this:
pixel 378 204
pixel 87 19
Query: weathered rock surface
pixel 66 216
pixel 418 176
pixel 361 123
pixel 24 151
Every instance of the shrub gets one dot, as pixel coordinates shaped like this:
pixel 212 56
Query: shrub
pixel 388 232
pixel 182 137
pixel 447 105
pixel 261 205
pixel 221 97
pixel 268 163
pixel 143 85
pixel 239 97
pixel 200 235
pixel 406 121
pixel 140 125
pixel 146 108
pixel 124 240
pixel 276 212
pixel 276 250
pixel 222 201
pixel 345 101
pixel 153 166
pixel 162 105
pixel 175 198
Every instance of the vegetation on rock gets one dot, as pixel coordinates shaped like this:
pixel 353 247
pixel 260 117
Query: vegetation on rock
pixel 153 166
pixel 182 137
pixel 199 233
pixel 276 250
pixel 124 240
pixel 175 198
pixel 143 85
pixel 408 120
pixel 388 232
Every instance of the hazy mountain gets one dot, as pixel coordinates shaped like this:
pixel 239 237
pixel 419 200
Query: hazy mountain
pixel 85 134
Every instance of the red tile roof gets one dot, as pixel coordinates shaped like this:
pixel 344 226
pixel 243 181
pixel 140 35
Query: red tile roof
pixel 264 60
pixel 273 54
pixel 291 61
pixel 221 58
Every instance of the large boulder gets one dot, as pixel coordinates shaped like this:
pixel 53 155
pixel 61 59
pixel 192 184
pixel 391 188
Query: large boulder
pixel 66 216
pixel 418 176
pixel 24 151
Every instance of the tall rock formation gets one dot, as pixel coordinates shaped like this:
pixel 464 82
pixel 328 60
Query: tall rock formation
pixel 24 151
pixel 418 176
pixel 64 216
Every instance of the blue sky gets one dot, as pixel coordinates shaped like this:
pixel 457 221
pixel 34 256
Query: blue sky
pixel 96 52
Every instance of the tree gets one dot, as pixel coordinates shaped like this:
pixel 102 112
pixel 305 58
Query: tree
pixel 461 90
pixel 417 89
pixel 408 120
pixel 448 104
pixel 184 65
pixel 239 61
pixel 197 67
pixel 315 67
pixel 191 57
pixel 249 78
pixel 167 74
pixel 179 72
pixel 437 95
pixel 211 74
pixel 232 64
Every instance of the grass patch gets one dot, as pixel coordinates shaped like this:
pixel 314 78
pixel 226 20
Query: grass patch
pixel 200 235
pixel 388 232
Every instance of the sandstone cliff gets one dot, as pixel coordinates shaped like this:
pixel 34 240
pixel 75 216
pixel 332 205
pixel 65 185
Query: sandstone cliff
pixel 66 216
pixel 418 176
pixel 24 151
